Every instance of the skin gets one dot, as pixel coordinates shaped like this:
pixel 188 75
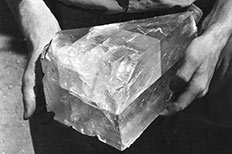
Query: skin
pixel 211 48
pixel 205 53
pixel 38 26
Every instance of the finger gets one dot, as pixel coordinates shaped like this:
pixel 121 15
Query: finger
pixel 28 98
pixel 198 87
pixel 188 68
pixel 29 104
pixel 202 94
pixel 184 74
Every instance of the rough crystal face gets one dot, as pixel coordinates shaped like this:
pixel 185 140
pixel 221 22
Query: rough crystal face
pixel 111 81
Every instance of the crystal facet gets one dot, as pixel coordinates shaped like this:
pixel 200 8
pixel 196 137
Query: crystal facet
pixel 111 81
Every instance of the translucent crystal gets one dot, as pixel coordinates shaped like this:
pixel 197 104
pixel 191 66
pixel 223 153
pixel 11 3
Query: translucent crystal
pixel 111 81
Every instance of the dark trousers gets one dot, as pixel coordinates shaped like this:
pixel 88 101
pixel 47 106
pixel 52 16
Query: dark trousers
pixel 204 127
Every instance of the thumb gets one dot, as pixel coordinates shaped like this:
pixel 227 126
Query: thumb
pixel 28 95
pixel 28 102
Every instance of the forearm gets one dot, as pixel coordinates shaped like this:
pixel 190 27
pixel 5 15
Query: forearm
pixel 219 22
pixel 36 21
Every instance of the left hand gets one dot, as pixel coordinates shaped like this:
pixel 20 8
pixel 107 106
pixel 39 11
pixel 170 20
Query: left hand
pixel 203 55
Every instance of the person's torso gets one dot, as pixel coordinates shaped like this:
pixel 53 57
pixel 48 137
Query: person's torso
pixel 130 6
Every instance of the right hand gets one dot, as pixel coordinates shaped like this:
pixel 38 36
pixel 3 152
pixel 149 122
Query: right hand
pixel 209 50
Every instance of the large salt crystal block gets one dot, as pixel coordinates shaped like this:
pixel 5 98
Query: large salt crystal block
pixel 111 81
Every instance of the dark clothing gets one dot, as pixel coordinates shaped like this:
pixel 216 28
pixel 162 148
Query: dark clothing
pixel 73 17
pixel 204 127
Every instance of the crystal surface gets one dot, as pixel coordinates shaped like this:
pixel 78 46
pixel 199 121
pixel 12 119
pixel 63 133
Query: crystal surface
pixel 111 81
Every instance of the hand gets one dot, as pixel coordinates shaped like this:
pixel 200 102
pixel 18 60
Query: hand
pixel 30 86
pixel 203 55
pixel 197 70
pixel 38 26
pixel 33 94
pixel 32 79
pixel 28 82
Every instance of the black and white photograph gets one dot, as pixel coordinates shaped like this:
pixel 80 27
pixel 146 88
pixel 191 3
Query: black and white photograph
pixel 115 76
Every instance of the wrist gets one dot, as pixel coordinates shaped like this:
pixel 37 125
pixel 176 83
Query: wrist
pixel 220 33
pixel 215 38
pixel 222 17
pixel 218 25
